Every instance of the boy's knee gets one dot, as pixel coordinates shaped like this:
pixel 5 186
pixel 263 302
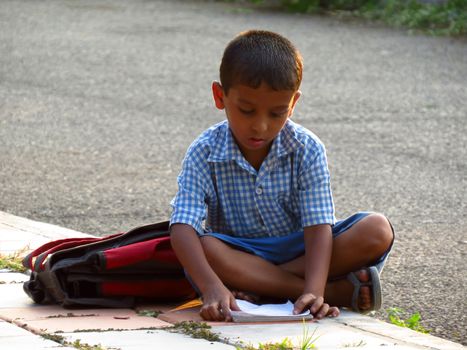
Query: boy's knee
pixel 381 234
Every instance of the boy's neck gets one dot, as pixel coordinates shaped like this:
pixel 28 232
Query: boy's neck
pixel 255 158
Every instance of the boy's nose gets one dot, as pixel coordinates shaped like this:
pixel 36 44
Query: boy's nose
pixel 260 125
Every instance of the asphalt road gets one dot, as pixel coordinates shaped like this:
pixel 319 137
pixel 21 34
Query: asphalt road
pixel 100 99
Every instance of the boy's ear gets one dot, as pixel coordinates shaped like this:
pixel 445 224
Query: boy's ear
pixel 218 94
pixel 294 101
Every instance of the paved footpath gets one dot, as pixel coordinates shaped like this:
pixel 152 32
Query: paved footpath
pixel 24 325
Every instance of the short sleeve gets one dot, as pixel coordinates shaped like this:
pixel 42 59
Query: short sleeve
pixel 315 196
pixel 190 203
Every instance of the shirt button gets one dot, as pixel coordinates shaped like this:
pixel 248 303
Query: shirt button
pixel 259 190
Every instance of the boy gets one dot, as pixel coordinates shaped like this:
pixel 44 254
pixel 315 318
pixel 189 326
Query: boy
pixel 261 184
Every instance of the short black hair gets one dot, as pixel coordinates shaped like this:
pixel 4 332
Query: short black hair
pixel 258 56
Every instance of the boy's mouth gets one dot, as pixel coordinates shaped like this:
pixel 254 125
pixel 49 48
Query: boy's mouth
pixel 256 142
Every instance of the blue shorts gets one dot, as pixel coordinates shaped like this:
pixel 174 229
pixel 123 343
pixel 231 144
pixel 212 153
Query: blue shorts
pixel 279 250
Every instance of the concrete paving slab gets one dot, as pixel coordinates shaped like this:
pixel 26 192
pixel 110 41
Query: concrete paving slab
pixel 30 342
pixel 16 338
pixel 146 340
pixel 387 337
pixel 12 277
pixel 40 229
pixel 55 311
pixel 10 330
pixel 13 296
pixel 16 307
pixel 21 235
pixel 91 323
pixel 371 325
pixel 14 241
pixel 324 331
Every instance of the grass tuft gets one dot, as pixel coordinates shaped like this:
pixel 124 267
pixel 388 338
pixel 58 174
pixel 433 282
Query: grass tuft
pixel 12 262
pixel 199 330
pixel 396 316
pixel 440 18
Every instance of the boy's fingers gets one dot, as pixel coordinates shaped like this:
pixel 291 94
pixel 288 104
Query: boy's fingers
pixel 323 311
pixel 211 312
pixel 216 314
pixel 333 311
pixel 233 304
pixel 302 303
pixel 225 311
pixel 316 306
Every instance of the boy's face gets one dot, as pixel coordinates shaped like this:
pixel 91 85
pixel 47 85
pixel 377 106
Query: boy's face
pixel 256 116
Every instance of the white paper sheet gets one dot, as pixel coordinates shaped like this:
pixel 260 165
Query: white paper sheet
pixel 285 309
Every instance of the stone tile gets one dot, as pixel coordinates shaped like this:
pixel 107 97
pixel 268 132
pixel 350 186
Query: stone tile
pixel 325 331
pixel 146 340
pixel 408 336
pixel 14 241
pixel 120 321
pixel 13 337
pixel 21 234
pixel 12 277
pixel 8 329
pixel 30 342
pixel 56 311
pixel 13 296
pixel 39 229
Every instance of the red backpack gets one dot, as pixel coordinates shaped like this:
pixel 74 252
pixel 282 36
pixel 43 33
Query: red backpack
pixel 111 271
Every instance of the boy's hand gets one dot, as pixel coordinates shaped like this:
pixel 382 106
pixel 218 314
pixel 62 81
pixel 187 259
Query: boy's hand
pixel 217 303
pixel 318 308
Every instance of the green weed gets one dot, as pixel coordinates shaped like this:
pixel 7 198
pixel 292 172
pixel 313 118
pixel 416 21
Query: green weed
pixel 445 18
pixel 199 330
pixel 12 262
pixel 76 344
pixel 149 313
pixel 354 345
pixel 307 342
pixel 396 316
pixel 285 344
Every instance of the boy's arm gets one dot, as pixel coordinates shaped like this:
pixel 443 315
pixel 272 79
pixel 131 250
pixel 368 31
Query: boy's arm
pixel 217 299
pixel 318 249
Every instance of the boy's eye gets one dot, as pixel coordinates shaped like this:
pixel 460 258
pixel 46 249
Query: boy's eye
pixel 279 114
pixel 245 111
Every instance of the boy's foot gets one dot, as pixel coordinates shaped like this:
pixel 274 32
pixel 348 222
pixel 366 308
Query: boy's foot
pixel 256 299
pixel 361 291
pixel 252 298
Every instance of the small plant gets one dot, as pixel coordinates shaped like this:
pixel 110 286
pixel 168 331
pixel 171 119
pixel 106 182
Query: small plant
pixel 83 346
pixel 149 313
pixel 12 262
pixel 447 17
pixel 76 344
pixel 199 330
pixel 395 315
pixel 307 342
pixel 54 337
pixel 285 344
pixel 354 345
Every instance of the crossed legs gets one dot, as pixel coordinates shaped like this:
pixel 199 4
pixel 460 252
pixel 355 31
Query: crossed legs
pixel 359 246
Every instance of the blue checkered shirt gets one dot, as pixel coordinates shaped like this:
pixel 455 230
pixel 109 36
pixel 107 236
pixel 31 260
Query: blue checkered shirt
pixel 218 187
